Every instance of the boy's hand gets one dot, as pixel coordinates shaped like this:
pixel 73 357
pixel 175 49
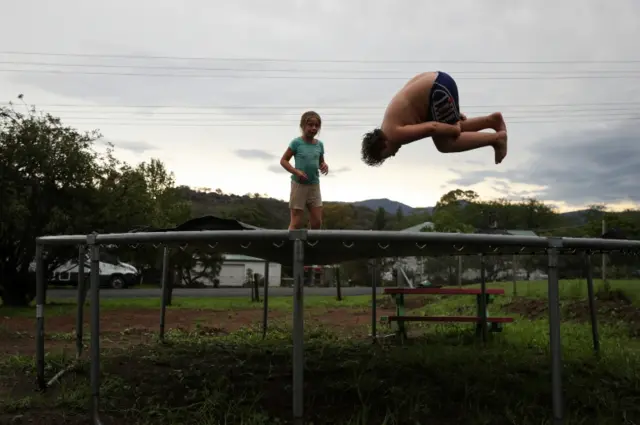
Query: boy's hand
pixel 324 168
pixel 301 175
pixel 463 117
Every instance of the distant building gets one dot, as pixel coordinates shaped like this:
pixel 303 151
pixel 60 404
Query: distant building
pixel 235 267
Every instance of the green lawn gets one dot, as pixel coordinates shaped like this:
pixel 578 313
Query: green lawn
pixel 445 377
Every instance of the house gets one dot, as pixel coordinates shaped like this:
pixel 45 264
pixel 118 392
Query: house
pixel 415 265
pixel 234 270
pixel 235 267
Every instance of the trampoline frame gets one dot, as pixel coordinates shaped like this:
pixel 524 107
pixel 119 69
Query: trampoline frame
pixel 381 243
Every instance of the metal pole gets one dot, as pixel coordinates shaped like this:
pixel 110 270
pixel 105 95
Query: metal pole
pixel 592 304
pixel 483 297
pixel 554 332
pixel 459 270
pixel 374 306
pixel 265 316
pixel 165 290
pixel 81 299
pixel 338 283
pixel 514 264
pixel 604 256
pixel 298 329
pixel 40 299
pixel 95 328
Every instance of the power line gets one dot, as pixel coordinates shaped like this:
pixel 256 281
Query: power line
pixel 496 106
pixel 299 77
pixel 469 112
pixel 254 59
pixel 332 118
pixel 186 123
pixel 316 70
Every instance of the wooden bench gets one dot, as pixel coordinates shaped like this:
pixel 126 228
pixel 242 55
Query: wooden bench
pixel 400 318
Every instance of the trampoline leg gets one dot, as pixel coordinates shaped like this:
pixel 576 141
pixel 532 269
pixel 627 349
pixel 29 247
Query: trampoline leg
pixel 298 332
pixel 592 305
pixel 483 297
pixel 554 336
pixel 374 301
pixel 265 316
pixel 81 299
pixel 95 328
pixel 165 290
pixel 40 300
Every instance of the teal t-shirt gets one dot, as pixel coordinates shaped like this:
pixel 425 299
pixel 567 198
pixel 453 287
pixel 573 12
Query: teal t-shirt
pixel 307 159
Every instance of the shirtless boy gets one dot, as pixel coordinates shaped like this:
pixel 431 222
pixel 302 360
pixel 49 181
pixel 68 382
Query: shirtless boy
pixel 427 106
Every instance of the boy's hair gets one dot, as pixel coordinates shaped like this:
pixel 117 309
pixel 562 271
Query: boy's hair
pixel 307 116
pixel 372 145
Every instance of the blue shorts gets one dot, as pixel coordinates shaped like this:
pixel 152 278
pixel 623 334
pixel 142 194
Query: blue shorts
pixel 443 100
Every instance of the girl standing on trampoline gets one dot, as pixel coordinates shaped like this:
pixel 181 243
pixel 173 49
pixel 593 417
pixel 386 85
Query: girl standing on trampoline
pixel 305 179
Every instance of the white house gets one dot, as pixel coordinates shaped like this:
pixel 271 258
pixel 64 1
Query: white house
pixel 234 270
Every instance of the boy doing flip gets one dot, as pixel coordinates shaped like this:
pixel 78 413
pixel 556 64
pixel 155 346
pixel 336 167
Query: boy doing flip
pixel 427 106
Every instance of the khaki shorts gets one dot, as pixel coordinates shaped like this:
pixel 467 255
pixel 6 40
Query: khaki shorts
pixel 304 195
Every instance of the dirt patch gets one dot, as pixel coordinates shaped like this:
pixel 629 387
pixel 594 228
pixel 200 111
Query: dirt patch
pixel 349 319
pixel 531 308
pixel 612 310
pixel 414 301
pixel 126 327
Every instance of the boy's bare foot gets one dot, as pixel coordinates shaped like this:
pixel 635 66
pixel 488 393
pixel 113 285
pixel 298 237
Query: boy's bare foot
pixel 499 124
pixel 500 146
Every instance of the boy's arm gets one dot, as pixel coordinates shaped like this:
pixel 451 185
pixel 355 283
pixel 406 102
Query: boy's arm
pixel 402 135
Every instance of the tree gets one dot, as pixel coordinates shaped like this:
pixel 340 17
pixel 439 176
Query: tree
pixel 337 216
pixel 380 220
pixel 399 215
pixel 53 182
pixel 47 186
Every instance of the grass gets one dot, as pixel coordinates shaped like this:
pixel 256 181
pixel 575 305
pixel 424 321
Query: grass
pixel 65 307
pixel 444 377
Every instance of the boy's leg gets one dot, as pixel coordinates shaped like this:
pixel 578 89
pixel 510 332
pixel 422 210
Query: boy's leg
pixel 470 140
pixel 493 121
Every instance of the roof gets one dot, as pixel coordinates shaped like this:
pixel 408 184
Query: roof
pixel 522 232
pixel 240 257
pixel 418 227
pixel 506 232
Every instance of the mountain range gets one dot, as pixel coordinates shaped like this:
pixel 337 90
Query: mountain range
pixel 391 207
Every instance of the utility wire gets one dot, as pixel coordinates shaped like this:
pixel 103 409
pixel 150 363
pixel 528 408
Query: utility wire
pixel 314 70
pixel 303 77
pixel 290 60
pixel 177 106
pixel 247 124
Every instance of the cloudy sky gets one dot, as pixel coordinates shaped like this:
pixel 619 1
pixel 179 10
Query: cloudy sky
pixel 215 89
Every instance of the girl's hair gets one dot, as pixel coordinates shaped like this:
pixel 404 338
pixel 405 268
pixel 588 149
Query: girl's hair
pixel 307 116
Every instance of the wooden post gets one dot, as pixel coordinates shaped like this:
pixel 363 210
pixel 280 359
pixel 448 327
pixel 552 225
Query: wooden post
pixel 256 291
pixel 338 284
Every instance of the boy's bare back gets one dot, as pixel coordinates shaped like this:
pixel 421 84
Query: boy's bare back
pixel 410 104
